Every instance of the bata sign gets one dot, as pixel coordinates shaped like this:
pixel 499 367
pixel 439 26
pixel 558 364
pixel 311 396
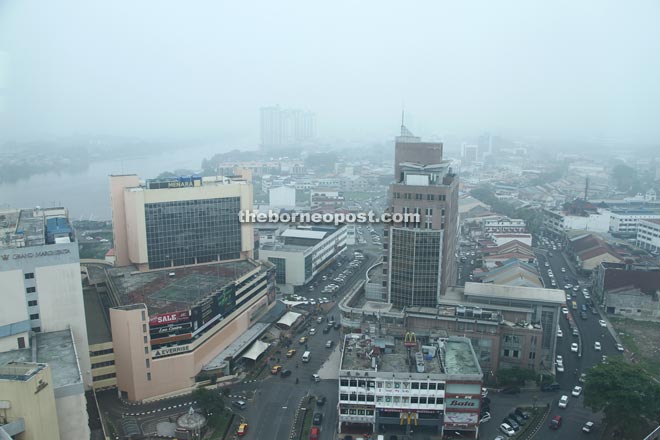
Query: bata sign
pixel 169 318
pixel 461 403
pixel 170 350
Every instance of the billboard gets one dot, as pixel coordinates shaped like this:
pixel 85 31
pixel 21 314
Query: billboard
pixel 169 318
pixel 460 403
pixel 220 303
pixel 171 339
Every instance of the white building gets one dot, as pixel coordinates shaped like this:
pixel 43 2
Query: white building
pixel 303 252
pixel 41 282
pixel 282 197
pixel 378 387
pixel 559 222
pixel 627 220
pixel 648 235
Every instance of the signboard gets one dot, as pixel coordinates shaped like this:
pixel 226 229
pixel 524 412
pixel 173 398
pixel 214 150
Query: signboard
pixel 171 339
pixel 456 403
pixel 461 418
pixel 169 329
pixel 38 254
pixel 169 351
pixel 169 318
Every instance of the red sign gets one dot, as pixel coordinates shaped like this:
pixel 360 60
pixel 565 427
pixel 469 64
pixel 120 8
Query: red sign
pixel 170 339
pixel 169 318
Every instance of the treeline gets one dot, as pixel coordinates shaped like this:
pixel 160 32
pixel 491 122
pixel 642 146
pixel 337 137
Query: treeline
pixel 533 217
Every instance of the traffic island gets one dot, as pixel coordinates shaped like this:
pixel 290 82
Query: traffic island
pixel 535 422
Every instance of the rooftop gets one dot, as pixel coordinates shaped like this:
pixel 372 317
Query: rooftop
pixel 55 349
pixel 19 371
pixel 515 293
pixel 447 356
pixel 177 289
pixel 34 227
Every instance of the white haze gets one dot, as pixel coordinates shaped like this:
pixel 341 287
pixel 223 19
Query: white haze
pixel 182 69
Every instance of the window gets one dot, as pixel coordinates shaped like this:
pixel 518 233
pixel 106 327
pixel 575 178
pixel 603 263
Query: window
pixel 429 211
pixel 344 382
pixel 36 329
pixel 21 342
pixel 30 290
pixel 149 376
pixel 146 362
pixel 29 276
pixel 424 386
pixel 34 316
pixel 145 340
pixel 144 328
pixel 432 386
pixel 146 350
pixel 414 385
pixel 343 396
pixel 414 400
pixel 144 315
pixel 32 303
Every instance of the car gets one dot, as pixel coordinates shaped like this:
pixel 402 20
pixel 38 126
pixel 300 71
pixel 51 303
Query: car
pixel 560 334
pixel 315 432
pixel 242 429
pixel 291 353
pixel 582 378
pixel 518 419
pixel 318 419
pixel 547 264
pixel 524 414
pixel 563 401
pixel 602 323
pixel 594 311
pixel 574 347
pixel 560 368
pixel 484 393
pixel 619 347
pixel 511 422
pixel 485 401
pixel 577 390
pixel 316 378
pixel 285 373
pixel 327 329
pixel 328 344
pixel 575 332
pixel 597 346
pixel 563 269
pixel 588 427
pixel 564 310
pixel 604 360
pixel 320 401
pixel 485 417
pixel 511 390
pixel 336 326
pixel 568 297
pixel 276 369
pixel 584 315
pixel 319 319
pixel 587 296
pixel 555 423
pixel 507 429
pixel 240 404
pixel 303 339
pixel 576 288
pixel 550 386
pixel 560 359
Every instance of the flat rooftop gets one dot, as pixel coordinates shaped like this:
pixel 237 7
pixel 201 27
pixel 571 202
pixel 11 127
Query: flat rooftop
pixel 20 371
pixel 175 289
pixel 451 356
pixel 97 319
pixel 28 227
pixel 55 349
pixel 515 293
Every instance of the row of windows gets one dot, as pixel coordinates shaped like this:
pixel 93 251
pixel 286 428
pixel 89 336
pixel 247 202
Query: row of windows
pixel 356 411
pixel 29 276
pixel 408 196
pixel 104 376
pixel 103 364
pixel 389 384
pixel 391 399
pixel 100 352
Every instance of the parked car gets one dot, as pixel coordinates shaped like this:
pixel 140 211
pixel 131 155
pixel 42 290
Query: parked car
pixel 574 347
pixel 242 429
pixel 619 347
pixel 240 404
pixel 577 390
pixel 560 333
pixel 507 429
pixel 588 427
pixel 524 414
pixel 285 373
pixel 518 419
pixel 602 323
pixel 511 390
pixel 512 422
pixel 597 346
pixel 550 387
pixel 563 401
pixel 485 417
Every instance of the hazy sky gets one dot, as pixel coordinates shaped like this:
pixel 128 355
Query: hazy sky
pixel 203 68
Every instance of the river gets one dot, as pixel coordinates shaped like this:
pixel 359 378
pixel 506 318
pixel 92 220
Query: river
pixel 86 194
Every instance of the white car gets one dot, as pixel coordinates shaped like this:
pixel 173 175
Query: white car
pixel 597 346
pixel 563 269
pixel 563 401
pixel 560 359
pixel 507 429
pixel 485 418
pixel 587 296
pixel 560 333
pixel 564 310
pixel 588 427
pixel 312 331
pixel 576 391
pixel 602 323
pixel 574 347
pixel 484 393
pixel 560 368
pixel 619 347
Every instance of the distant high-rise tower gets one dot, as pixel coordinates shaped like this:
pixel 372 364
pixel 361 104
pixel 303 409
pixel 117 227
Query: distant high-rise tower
pixel 286 127
pixel 419 257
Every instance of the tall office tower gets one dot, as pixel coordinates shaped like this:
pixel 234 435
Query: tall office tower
pixel 286 127
pixel 184 221
pixel 420 257
pixel 40 279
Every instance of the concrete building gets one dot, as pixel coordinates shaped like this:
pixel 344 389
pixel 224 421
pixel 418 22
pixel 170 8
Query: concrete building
pixel 589 251
pixel 303 252
pixel 180 222
pixel 397 384
pixel 559 222
pixel 648 235
pixel 42 395
pixel 282 197
pixel 40 279
pixel 509 326
pixel 503 225
pixel 286 127
pixel 626 221
pixel 420 257
pixel 512 272
pixel 168 326
pixel 326 198
pixel 495 256
pixel 628 292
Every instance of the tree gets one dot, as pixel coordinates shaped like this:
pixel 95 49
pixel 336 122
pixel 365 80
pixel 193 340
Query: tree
pixel 515 375
pixel 211 402
pixel 624 177
pixel 626 394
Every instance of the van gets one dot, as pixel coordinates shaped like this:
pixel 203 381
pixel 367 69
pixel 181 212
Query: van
pixel 306 355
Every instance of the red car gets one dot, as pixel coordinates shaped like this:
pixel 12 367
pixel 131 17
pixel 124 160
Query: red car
pixel 242 429
pixel 555 423
pixel 314 433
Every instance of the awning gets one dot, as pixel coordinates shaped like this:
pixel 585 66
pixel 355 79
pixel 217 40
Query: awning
pixel 288 319
pixel 255 351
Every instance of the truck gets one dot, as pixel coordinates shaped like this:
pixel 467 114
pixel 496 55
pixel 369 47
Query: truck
pixel 306 355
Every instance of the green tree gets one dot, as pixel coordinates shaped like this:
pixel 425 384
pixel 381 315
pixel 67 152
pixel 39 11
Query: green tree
pixel 624 177
pixel 515 375
pixel 210 401
pixel 626 394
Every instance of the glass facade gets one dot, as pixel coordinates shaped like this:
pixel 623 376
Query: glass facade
pixel 415 267
pixel 192 231
pixel 280 269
